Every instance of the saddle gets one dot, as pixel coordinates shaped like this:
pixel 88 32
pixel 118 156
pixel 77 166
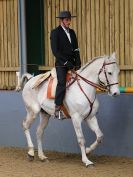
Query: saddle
pixel 52 83
pixel 41 78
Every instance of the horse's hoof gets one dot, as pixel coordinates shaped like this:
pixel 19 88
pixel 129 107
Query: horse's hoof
pixel 30 157
pixel 90 165
pixel 44 159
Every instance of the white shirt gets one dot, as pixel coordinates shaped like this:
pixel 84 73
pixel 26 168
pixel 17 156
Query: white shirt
pixel 67 33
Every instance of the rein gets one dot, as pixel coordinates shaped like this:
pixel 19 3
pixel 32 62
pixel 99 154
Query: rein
pixel 101 87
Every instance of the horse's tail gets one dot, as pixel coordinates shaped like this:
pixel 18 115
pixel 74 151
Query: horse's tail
pixel 22 81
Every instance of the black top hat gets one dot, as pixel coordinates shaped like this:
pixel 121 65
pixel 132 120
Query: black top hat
pixel 65 14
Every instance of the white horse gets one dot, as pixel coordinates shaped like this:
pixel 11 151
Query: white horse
pixel 80 101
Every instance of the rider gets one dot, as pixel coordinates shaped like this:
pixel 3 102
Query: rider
pixel 64 46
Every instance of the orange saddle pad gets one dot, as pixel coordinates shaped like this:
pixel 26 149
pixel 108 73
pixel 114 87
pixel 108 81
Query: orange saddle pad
pixel 52 83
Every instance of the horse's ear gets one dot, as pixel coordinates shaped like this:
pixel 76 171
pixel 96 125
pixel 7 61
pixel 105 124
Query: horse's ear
pixel 113 56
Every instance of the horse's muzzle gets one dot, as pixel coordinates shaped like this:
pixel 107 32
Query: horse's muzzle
pixel 114 92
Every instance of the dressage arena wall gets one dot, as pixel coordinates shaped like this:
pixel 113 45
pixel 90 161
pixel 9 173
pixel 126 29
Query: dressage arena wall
pixel 115 118
pixel 102 27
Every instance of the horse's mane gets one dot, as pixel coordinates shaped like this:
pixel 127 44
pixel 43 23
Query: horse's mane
pixel 88 63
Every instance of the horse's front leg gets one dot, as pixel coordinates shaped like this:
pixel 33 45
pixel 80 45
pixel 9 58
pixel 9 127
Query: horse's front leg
pixel 76 119
pixel 93 124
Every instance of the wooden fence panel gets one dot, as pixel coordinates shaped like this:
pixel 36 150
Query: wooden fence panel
pixel 97 11
pixel 102 26
pixel 127 37
pixel 9 49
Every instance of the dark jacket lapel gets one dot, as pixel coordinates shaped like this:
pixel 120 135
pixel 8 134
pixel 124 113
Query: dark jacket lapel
pixel 64 33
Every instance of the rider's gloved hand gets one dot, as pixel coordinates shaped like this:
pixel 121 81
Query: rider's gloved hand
pixel 69 65
pixel 77 67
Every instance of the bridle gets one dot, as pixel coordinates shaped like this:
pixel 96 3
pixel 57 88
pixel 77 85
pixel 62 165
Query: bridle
pixel 108 85
pixel 101 86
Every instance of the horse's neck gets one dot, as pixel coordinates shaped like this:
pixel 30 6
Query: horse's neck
pixel 92 70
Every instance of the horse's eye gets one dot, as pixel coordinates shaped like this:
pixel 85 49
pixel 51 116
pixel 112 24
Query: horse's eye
pixel 109 73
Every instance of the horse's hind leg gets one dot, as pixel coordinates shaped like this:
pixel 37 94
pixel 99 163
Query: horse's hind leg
pixel 44 118
pixel 31 115
pixel 76 119
pixel 93 124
